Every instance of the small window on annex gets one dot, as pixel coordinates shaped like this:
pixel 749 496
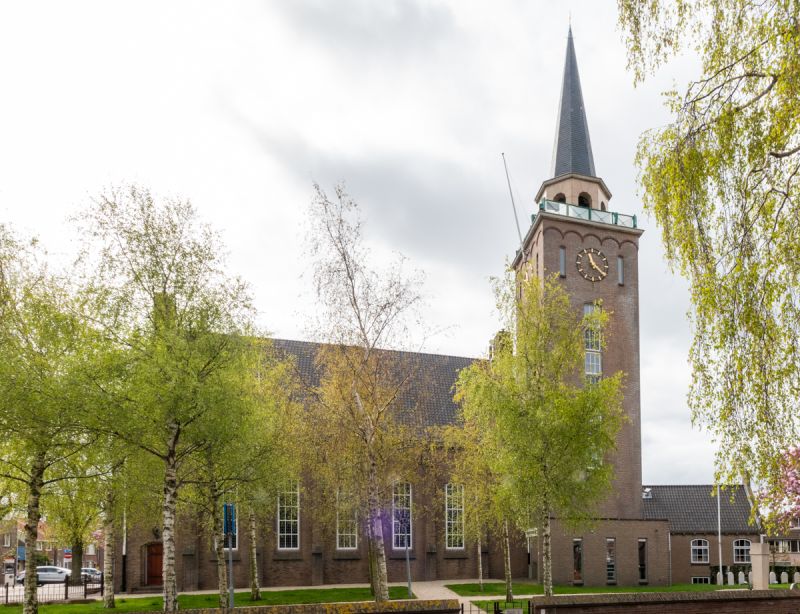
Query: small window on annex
pixel 611 560
pixel 699 551
pixel 289 517
pixel 741 551
pixel 642 560
pixel 577 561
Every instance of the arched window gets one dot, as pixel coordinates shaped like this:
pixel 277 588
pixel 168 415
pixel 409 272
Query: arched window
pixel 741 551
pixel 560 198
pixel 602 206
pixel 699 551
pixel 584 200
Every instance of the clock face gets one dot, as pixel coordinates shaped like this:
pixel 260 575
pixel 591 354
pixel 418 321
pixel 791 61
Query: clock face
pixel 592 264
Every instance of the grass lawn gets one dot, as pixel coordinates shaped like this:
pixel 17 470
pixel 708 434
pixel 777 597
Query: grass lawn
pixel 154 604
pixel 522 588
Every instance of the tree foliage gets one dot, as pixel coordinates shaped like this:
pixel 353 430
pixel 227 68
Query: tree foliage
pixel 547 430
pixel 721 180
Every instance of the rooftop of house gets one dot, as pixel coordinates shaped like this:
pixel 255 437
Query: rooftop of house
pixel 693 508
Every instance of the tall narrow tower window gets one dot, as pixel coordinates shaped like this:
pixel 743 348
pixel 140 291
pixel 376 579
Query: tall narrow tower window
pixel 593 357
pixel 620 271
pixel 562 261
pixel 584 200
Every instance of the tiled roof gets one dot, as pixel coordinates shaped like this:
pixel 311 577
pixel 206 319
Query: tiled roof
pixel 572 151
pixel 430 392
pixel 693 509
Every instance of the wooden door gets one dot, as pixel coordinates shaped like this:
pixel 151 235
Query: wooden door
pixel 155 556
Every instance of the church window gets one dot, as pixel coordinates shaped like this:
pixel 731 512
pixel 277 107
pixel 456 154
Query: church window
pixel 642 559
pixel 584 200
pixel 454 516
pixel 560 198
pixel 593 357
pixel 562 261
pixel 611 560
pixel 577 561
pixel 289 517
pixel 620 271
pixel 741 551
pixel 401 516
pixel 699 551
pixel 602 206
pixel 346 523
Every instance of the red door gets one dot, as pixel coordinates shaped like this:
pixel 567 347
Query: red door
pixel 155 556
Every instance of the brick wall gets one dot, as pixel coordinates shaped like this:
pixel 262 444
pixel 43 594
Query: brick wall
pixel 722 602
pixel 682 567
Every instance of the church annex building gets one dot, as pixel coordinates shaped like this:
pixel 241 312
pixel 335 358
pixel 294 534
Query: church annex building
pixel 656 535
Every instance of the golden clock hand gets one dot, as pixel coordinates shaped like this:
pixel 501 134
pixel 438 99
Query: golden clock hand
pixel 594 265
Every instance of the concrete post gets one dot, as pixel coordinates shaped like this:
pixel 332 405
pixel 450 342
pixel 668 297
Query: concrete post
pixel 759 558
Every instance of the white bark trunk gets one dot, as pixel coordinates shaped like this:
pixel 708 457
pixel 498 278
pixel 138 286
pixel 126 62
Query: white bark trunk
pixel 31 603
pixel 108 551
pixel 168 536
pixel 507 562
pixel 547 559
pixel 480 564
pixel 219 547
pixel 378 550
pixel 255 587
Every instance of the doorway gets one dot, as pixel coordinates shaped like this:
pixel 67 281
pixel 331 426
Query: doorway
pixel 154 560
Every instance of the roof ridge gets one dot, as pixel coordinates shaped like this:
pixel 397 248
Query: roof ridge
pixel 380 349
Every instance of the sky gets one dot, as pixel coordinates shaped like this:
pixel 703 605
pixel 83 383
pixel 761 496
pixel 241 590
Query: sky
pixel 242 106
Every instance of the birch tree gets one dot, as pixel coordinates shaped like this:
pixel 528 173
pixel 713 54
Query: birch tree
pixel 157 288
pixel 363 433
pixel 722 179
pixel 548 430
pixel 43 352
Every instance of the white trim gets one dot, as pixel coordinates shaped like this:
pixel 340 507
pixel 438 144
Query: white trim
pixel 296 492
pixel 745 558
pixel 701 545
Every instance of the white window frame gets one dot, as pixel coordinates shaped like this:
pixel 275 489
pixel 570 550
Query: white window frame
pixel 6 540
pixel 701 545
pixel 90 549
pixel 741 551
pixel 396 545
pixel 292 489
pixel 454 523
pixel 593 348
pixel 349 535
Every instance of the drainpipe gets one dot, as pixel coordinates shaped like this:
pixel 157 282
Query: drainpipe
pixel 719 538
pixel 669 551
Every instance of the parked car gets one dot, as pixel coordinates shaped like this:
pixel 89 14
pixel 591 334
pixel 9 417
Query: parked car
pixel 90 574
pixel 47 574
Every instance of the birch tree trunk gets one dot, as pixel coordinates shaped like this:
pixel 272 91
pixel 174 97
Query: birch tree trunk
pixel 480 564
pixel 255 587
pixel 168 534
pixel 219 548
pixel 31 604
pixel 507 563
pixel 547 559
pixel 378 549
pixel 108 551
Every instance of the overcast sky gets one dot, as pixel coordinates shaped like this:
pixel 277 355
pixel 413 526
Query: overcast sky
pixel 240 106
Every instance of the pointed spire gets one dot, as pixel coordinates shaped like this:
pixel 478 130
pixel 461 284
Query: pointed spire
pixel 572 151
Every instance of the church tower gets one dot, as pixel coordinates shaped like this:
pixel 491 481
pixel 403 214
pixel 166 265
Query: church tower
pixel 594 250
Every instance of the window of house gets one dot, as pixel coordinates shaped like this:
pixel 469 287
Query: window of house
pixel 593 357
pixel 562 261
pixel 289 517
pixel 7 540
pixel 346 523
pixel 741 551
pixel 642 559
pixel 90 550
pixel 577 561
pixel 40 545
pixel 454 516
pixel 611 560
pixel 701 580
pixel 620 271
pixel 699 551
pixel 401 516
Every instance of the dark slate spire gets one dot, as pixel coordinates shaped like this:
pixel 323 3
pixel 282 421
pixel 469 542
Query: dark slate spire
pixel 572 151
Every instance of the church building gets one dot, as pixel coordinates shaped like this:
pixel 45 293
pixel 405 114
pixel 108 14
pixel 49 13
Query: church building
pixel 576 234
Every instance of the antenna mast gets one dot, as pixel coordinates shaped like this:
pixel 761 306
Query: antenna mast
pixel 511 193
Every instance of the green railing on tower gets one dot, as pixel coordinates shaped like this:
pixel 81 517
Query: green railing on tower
pixel 585 213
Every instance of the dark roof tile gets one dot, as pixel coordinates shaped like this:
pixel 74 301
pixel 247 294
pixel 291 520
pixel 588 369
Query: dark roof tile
pixel 693 509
